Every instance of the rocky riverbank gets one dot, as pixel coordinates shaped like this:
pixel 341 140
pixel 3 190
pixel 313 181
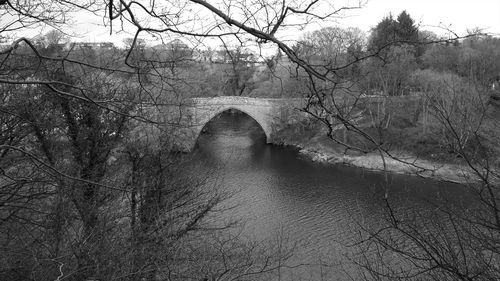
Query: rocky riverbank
pixel 320 150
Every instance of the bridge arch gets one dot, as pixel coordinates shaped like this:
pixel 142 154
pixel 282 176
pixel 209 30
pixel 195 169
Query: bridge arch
pixel 258 118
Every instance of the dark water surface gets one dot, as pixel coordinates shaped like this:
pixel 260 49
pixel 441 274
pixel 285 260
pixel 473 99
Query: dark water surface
pixel 317 207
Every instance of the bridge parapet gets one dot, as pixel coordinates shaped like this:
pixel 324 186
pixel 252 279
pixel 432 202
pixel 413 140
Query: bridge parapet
pixel 236 100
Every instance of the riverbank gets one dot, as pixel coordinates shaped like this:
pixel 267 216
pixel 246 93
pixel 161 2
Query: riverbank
pixel 323 150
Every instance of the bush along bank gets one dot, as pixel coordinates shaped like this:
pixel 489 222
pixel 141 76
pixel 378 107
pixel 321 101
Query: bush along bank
pixel 321 149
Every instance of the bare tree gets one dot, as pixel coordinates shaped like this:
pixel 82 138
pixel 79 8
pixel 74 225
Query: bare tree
pixel 67 149
pixel 452 242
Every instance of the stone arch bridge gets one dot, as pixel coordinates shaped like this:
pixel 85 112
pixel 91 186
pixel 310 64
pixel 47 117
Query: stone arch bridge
pixel 197 112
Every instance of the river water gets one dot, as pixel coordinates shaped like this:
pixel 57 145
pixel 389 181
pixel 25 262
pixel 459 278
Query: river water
pixel 315 207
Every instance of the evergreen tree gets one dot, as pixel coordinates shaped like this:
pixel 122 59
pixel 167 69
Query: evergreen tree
pixel 406 29
pixel 383 33
pixel 393 32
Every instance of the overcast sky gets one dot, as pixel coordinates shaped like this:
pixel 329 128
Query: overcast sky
pixel 458 15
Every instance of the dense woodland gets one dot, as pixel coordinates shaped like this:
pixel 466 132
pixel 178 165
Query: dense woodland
pixel 88 193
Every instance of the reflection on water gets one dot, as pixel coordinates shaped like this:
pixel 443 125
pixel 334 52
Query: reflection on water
pixel 317 206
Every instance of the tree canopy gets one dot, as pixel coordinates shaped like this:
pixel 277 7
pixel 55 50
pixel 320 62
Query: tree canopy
pixel 390 31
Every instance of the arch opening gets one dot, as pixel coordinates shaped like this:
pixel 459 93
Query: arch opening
pixel 209 120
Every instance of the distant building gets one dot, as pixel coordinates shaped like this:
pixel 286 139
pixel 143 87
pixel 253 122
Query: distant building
pixel 92 45
pixel 204 55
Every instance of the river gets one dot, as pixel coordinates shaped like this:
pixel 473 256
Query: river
pixel 316 207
